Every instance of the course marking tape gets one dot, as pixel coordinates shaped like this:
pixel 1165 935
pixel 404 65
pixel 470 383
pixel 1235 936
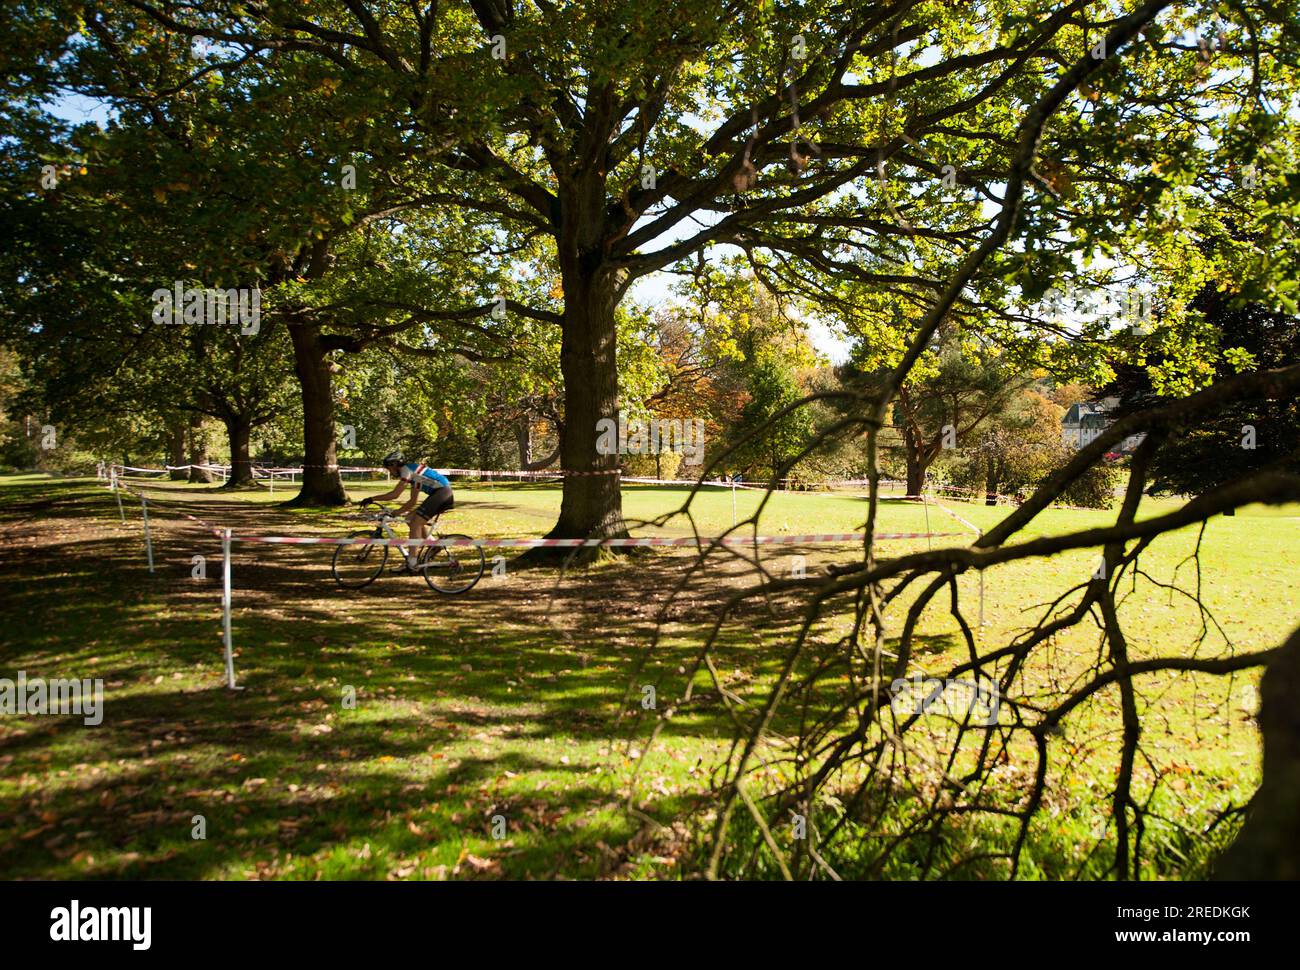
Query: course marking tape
pixel 968 524
pixel 784 484
pixel 839 537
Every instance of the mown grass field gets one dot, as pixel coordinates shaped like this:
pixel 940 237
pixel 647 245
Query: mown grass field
pixel 501 707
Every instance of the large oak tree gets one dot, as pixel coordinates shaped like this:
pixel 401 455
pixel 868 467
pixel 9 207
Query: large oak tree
pixel 832 143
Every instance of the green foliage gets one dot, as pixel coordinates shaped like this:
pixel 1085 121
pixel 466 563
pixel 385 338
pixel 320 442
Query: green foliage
pixel 773 386
pixel 1095 488
pixel 1243 437
pixel 665 465
pixel 961 381
pixel 1019 447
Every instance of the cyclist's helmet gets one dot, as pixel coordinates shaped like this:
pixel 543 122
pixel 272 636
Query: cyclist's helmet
pixel 393 458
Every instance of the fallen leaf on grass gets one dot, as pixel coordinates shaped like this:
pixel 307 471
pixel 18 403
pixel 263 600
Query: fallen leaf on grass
pixel 482 865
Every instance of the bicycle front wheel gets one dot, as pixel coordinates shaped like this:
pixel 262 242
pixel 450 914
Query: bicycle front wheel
pixel 452 569
pixel 357 566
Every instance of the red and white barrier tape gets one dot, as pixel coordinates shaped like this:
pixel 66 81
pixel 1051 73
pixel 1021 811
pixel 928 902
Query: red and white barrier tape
pixel 211 528
pixel 256 469
pixel 542 473
pixel 835 537
pixel 467 472
pixel 786 484
pixel 798 485
pixel 353 469
pixel 968 524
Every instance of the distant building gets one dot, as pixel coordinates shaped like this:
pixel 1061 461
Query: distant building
pixel 1087 419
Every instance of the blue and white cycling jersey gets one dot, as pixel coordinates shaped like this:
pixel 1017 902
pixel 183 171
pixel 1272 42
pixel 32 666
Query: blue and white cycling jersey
pixel 430 481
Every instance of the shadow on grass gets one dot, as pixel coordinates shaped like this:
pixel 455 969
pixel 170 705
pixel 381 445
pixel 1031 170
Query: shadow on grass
pixel 504 701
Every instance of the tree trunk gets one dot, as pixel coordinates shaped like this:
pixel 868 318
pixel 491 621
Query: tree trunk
pixel 321 482
pixel 916 464
pixel 524 436
pixel 240 431
pixel 592 505
pixel 915 473
pixel 198 451
pixel 915 476
pixel 540 463
pixel 990 482
pixel 176 450
pixel 1268 845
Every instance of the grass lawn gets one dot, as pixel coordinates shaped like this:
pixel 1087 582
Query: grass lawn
pixel 500 709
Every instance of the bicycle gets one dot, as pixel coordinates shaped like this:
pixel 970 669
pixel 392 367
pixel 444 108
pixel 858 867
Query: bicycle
pixel 447 569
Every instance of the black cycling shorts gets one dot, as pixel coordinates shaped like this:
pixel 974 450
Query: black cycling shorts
pixel 435 503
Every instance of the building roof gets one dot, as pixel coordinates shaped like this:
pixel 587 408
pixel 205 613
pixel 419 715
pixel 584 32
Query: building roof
pixel 1085 414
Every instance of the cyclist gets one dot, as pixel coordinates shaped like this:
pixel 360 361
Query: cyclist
pixel 436 488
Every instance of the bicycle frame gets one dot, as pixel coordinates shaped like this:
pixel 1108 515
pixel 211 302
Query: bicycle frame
pixel 384 524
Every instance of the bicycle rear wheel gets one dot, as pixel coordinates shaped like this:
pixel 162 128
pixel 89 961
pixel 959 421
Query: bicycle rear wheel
pixel 452 569
pixel 358 566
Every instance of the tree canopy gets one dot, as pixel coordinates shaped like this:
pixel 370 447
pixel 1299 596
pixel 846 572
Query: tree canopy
pixel 441 178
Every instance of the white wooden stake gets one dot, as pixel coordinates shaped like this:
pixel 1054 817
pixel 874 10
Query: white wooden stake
pixel 225 607
pixel 929 543
pixel 148 540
